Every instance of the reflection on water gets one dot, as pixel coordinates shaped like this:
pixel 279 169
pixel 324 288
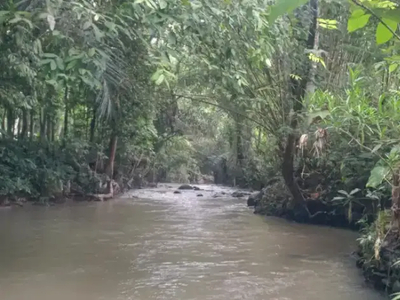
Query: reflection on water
pixel 171 246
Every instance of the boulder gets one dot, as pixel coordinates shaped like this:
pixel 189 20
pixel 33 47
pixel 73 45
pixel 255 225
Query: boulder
pixel 238 194
pixel 185 187
pixel 251 201
pixel 255 198
pixel 177 192
pixel 196 188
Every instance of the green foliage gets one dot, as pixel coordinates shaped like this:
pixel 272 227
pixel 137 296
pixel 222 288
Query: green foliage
pixel 283 7
pixel 32 170
pixel 384 10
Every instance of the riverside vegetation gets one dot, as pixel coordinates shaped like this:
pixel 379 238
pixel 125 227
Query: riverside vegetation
pixel 297 98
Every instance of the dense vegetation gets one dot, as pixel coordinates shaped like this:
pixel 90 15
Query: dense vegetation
pixel 103 95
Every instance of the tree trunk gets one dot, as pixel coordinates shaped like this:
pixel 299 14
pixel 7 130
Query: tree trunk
pixel 298 91
pixel 111 156
pixel 92 126
pixel 48 128
pixel 66 113
pixel 3 122
pixel 10 122
pixel 396 199
pixel 53 129
pixel 239 151
pixel 24 129
pixel 31 126
pixel 19 127
pixel 42 118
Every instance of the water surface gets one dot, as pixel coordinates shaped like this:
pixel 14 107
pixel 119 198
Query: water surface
pixel 172 246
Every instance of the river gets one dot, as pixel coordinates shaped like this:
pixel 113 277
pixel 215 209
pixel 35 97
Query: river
pixel 172 246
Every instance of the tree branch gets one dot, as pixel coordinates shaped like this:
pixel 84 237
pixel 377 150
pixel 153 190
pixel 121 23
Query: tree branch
pixel 377 17
pixel 200 99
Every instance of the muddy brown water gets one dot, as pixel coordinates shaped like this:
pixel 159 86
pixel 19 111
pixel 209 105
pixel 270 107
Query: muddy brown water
pixel 172 246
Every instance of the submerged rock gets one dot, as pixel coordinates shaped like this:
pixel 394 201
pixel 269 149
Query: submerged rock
pixel 185 187
pixel 196 188
pixel 238 194
pixel 177 192
pixel 199 195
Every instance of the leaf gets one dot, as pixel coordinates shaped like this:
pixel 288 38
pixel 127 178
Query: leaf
pixel 317 114
pixel 60 63
pixel 378 174
pixel 391 14
pixel 88 81
pixel 376 148
pixel 18 19
pixel 156 75
pixel 383 34
pixel 52 82
pixel 393 67
pixel 327 23
pixel 4 15
pixel 355 23
pixel 343 193
pixel 295 77
pixel 172 38
pixel 110 25
pixel 51 21
pixel 53 65
pixel 97 33
pixel 71 64
pixel 49 55
pixel 160 79
pixel 44 62
pixel 163 4
pixel 284 6
pixel 86 25
pixel 43 15
pixel 355 191
pixel 393 58
pixel 91 52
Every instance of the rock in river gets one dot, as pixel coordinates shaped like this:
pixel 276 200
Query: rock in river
pixel 185 187
pixel 177 192
pixel 238 194
pixel 251 201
